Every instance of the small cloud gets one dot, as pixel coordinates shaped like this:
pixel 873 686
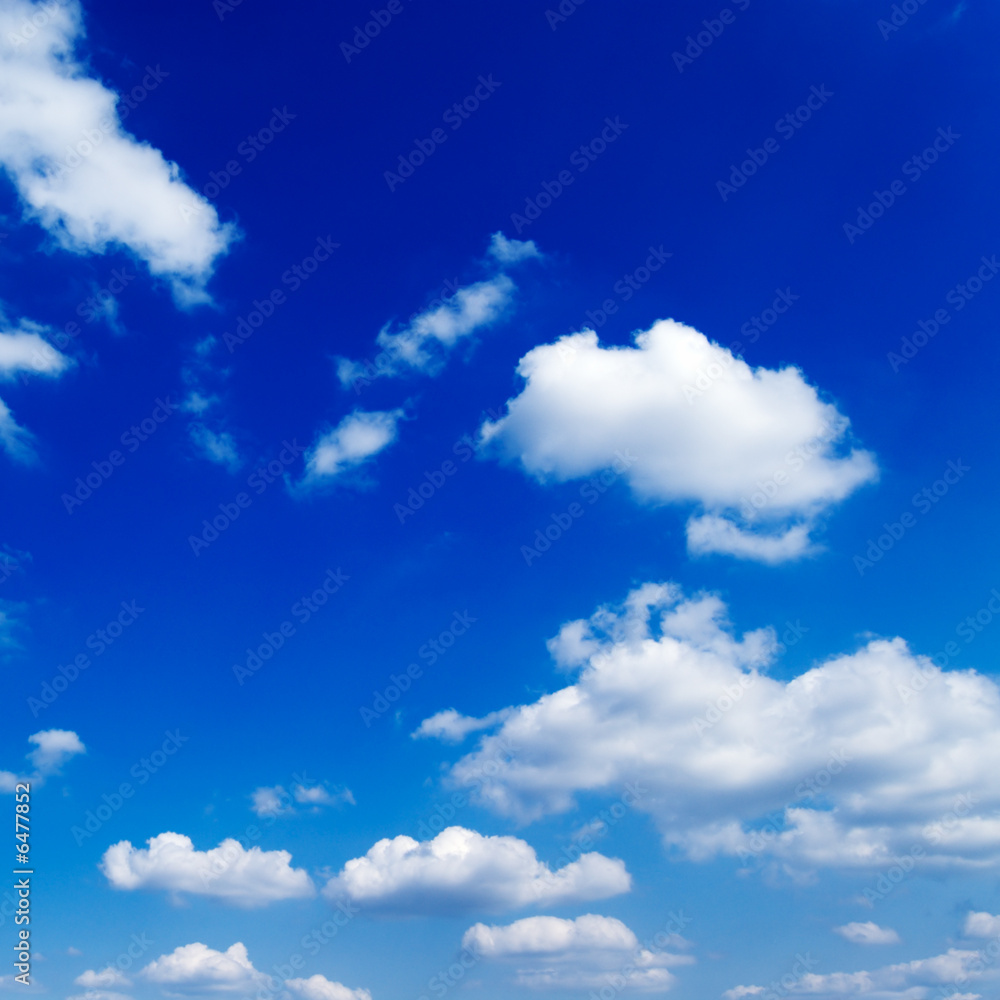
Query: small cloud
pixel 507 251
pixel 867 933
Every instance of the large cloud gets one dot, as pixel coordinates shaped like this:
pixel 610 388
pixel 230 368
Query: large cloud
pixel 863 758
pixel 757 451
pixel 229 872
pixel 197 969
pixel 588 953
pixel 461 871
pixel 79 173
pixel 53 748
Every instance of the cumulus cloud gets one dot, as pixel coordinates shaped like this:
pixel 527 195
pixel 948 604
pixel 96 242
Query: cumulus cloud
pixel 197 969
pixel 424 341
pixel 53 748
pixel 104 979
pixel 357 438
pixel 320 988
pixel 247 878
pixel 982 925
pixel 757 451
pixel 848 765
pixel 867 933
pixel 914 980
pixel 589 952
pixel 78 172
pixel 460 870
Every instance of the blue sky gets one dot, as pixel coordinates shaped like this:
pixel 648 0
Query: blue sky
pixel 499 502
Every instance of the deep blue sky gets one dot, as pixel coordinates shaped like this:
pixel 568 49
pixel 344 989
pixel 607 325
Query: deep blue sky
pixel 656 185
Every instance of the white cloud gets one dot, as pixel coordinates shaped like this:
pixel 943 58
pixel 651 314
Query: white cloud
pixel 100 995
pixel 24 350
pixel 197 969
pixel 461 870
pixel 589 952
pixel 320 988
pixel 424 341
pixel 275 800
pixel 269 801
pixel 53 748
pixel 867 933
pixel 507 251
pixel 904 981
pixel 217 446
pixel 756 450
pixel 982 925
pixel 79 173
pixel 319 795
pixel 851 763
pixel 357 438
pixel 450 726
pixel 102 980
pixel 247 878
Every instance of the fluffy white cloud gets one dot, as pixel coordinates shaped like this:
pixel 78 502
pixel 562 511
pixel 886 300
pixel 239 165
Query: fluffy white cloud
pixel 758 451
pixel 914 980
pixel 867 933
pixel 982 925
pixel 53 748
pixel 247 878
pixel 460 870
pixel 320 988
pixel 357 438
pixel 589 952
pixel 102 980
pixel 78 172
pixel 197 969
pixel 851 764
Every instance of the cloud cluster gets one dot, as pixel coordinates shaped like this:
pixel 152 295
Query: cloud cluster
pixel 460 870
pixel 851 764
pixel 756 450
pixel 229 872
pixel 942 975
pixel 53 748
pixel 78 172
pixel 588 953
